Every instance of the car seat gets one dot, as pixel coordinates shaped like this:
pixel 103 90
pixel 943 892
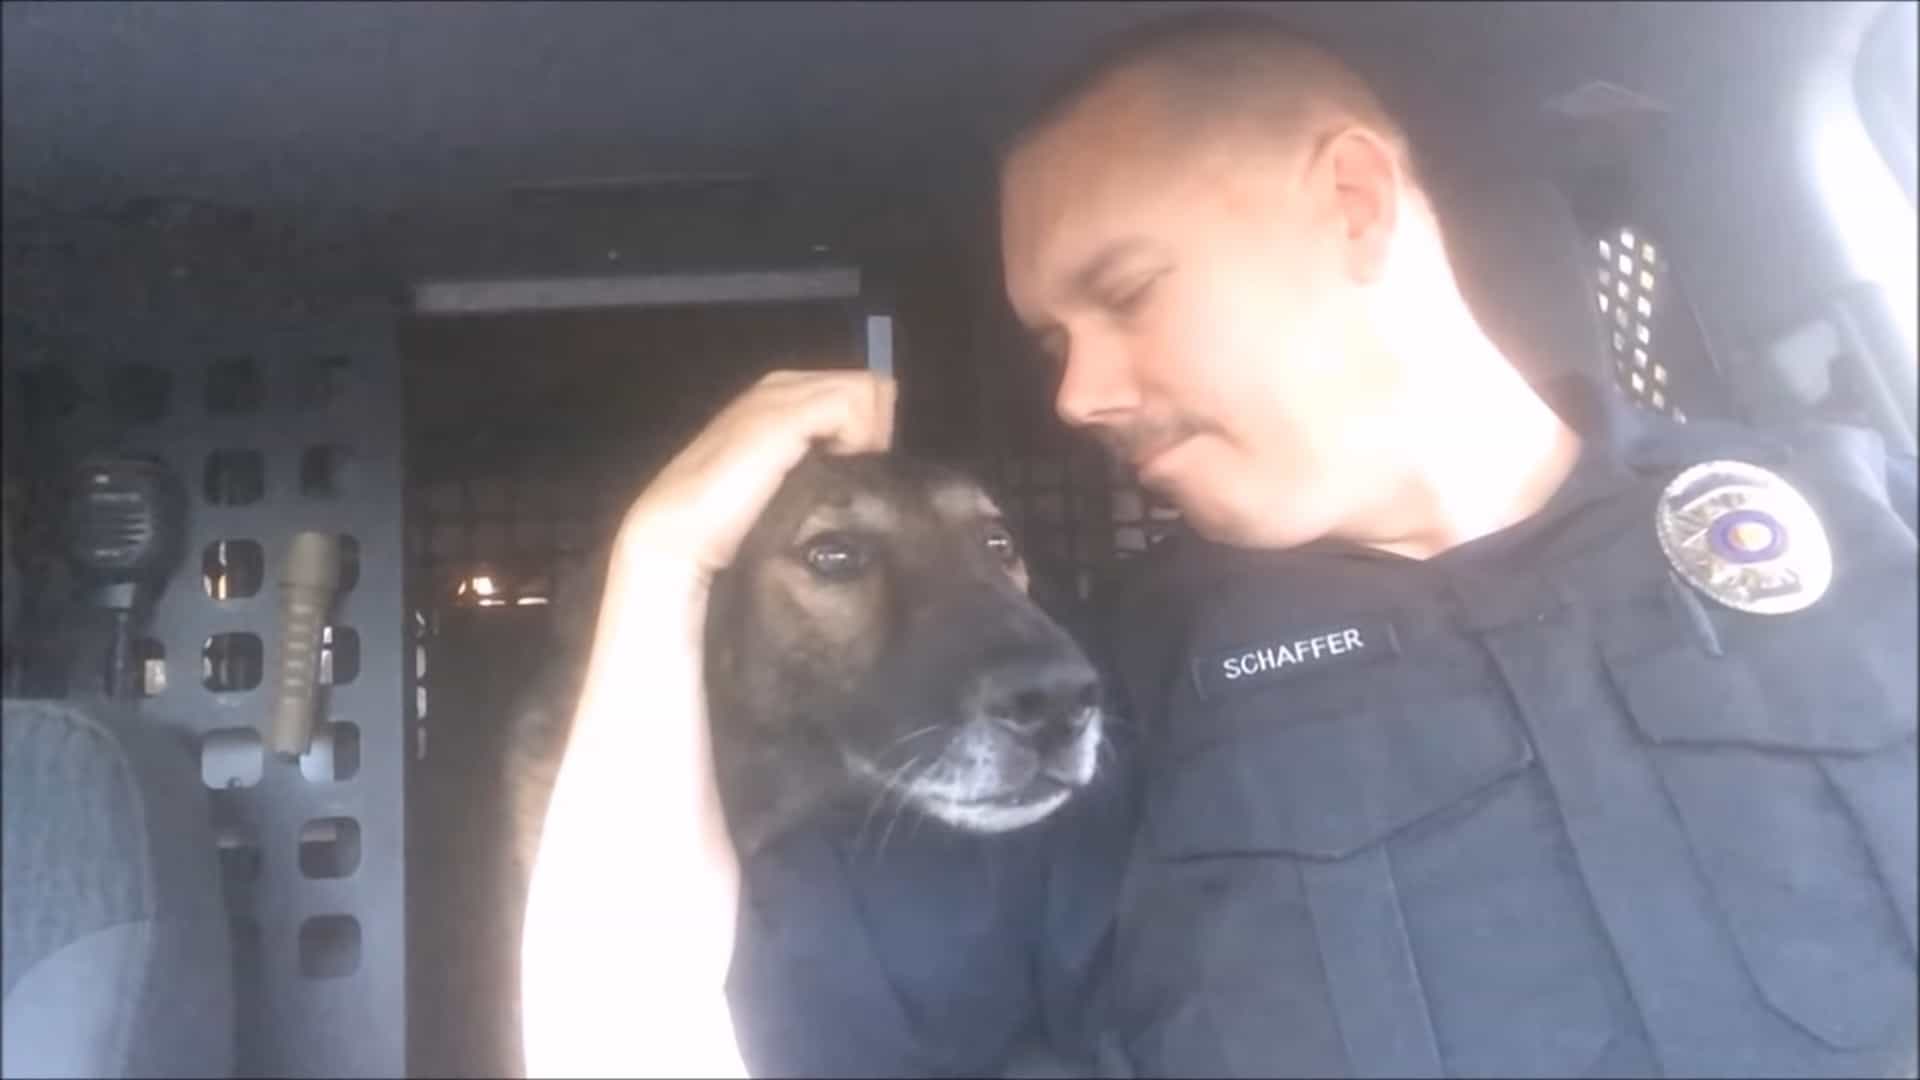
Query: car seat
pixel 117 956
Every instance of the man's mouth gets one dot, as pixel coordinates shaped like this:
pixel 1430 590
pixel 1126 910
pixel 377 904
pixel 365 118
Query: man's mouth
pixel 1136 445
pixel 1153 462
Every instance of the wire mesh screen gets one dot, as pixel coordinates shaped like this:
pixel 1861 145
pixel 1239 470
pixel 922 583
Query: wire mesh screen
pixel 1080 513
pixel 1629 292
pixel 531 434
pixel 510 531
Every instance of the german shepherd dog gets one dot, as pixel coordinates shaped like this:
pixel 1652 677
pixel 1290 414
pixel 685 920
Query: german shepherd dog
pixel 875 643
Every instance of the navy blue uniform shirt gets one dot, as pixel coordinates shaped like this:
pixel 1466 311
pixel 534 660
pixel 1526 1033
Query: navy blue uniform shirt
pixel 1534 806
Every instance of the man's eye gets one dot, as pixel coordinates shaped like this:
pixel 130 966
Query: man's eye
pixel 836 557
pixel 1129 301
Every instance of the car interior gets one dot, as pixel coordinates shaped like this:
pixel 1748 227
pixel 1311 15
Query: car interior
pixel 390 309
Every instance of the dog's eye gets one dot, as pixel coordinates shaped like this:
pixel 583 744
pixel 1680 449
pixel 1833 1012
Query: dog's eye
pixel 1000 542
pixel 836 557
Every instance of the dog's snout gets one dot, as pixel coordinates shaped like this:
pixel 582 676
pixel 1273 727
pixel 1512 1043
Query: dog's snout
pixel 1030 699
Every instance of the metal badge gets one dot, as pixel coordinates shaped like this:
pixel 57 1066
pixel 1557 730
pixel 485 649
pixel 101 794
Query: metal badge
pixel 1745 537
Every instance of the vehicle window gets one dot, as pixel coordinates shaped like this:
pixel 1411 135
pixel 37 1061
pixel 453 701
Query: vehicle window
pixel 1886 83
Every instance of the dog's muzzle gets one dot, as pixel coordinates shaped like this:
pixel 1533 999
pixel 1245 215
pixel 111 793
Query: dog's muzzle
pixel 1029 739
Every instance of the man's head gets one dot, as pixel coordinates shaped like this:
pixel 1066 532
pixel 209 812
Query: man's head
pixel 1216 229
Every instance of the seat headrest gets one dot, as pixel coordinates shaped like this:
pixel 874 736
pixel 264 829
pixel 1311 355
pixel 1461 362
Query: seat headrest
pixel 1527 271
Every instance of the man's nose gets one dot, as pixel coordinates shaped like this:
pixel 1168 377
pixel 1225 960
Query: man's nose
pixel 1095 383
pixel 1046 701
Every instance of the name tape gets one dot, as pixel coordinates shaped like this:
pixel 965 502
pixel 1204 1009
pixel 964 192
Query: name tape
pixel 1285 655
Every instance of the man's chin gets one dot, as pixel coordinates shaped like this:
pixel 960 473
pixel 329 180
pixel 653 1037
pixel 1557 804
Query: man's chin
pixel 1221 524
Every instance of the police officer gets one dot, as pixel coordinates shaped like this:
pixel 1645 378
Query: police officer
pixel 1481 728
pixel 1485 729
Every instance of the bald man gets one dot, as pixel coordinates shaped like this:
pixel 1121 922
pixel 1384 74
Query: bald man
pixel 1475 727
pixel 1485 728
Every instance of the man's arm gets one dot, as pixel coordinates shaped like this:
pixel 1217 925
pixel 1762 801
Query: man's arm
pixel 631 907
pixel 628 938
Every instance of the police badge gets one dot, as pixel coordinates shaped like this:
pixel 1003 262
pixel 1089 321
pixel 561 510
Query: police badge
pixel 1744 537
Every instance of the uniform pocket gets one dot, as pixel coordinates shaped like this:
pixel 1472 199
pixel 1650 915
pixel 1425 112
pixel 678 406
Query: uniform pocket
pixel 1316 834
pixel 1324 782
pixel 1790 761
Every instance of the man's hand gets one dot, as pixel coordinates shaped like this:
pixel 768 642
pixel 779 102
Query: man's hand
pixel 701 506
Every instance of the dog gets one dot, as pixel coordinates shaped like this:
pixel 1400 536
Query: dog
pixel 875 644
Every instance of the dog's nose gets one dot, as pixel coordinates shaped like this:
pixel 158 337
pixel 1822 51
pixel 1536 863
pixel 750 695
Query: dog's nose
pixel 1030 699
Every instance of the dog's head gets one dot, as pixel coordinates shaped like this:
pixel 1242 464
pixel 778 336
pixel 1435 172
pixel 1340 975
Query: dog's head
pixel 875 638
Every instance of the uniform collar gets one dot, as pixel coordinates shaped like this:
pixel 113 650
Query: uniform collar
pixel 1611 427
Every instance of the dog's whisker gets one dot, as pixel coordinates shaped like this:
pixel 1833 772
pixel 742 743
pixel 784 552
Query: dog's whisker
pixel 873 804
pixel 909 736
pixel 860 834
pixel 914 829
pixel 900 809
pixel 888 784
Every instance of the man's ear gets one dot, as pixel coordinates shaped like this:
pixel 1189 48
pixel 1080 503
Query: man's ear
pixel 1366 194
